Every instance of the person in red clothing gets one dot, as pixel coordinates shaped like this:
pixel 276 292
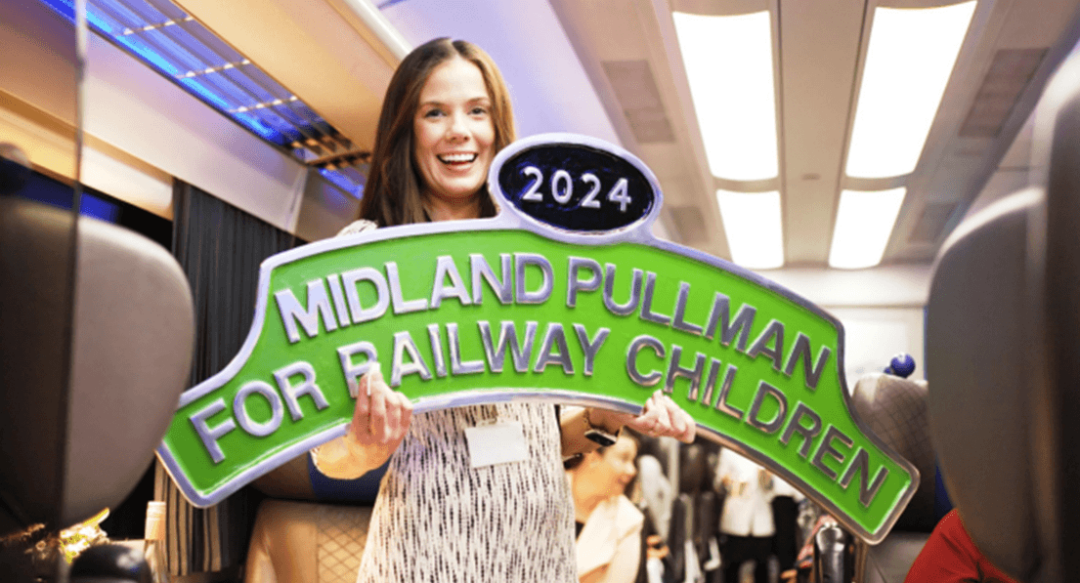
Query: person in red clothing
pixel 950 556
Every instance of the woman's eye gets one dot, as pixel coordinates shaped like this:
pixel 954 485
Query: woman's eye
pixel 479 111
pixel 433 113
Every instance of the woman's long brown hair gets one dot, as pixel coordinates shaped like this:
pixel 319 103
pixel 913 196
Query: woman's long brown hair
pixel 393 192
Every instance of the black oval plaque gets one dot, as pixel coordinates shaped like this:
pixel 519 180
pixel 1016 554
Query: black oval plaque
pixel 576 187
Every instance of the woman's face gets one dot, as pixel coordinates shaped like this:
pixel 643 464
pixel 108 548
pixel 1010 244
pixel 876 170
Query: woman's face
pixel 616 465
pixel 454 136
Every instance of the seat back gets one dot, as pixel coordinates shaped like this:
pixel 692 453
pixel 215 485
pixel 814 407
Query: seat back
pixel 79 442
pixel 305 542
pixel 897 410
pixel 1003 335
pixel 978 335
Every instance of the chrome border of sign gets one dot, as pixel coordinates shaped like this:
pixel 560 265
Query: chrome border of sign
pixel 510 217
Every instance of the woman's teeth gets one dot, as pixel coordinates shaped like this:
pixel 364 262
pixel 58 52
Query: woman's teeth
pixel 457 158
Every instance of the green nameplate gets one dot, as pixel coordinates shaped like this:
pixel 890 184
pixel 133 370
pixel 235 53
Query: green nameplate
pixel 565 297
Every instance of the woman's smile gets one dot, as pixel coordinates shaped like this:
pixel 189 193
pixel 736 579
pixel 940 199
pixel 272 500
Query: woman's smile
pixel 457 159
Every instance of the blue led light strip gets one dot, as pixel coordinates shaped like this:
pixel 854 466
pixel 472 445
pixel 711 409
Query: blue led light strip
pixel 260 124
pixel 177 46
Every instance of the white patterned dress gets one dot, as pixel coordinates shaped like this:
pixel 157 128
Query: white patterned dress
pixel 437 519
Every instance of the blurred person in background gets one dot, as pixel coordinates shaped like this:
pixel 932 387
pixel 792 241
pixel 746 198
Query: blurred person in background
pixel 655 496
pixel 746 523
pixel 785 507
pixel 608 524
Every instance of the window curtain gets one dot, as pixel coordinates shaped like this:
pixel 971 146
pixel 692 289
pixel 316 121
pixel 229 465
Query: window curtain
pixel 220 248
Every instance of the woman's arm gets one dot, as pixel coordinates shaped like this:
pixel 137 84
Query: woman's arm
pixel 380 421
pixel 661 417
pixel 575 422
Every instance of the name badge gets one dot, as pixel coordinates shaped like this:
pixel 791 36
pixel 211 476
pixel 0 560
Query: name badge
pixel 498 443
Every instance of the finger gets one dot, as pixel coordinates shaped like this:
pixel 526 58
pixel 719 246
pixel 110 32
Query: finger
pixel 649 404
pixel 647 426
pixel 393 415
pixel 683 426
pixel 663 416
pixel 691 424
pixel 653 402
pixel 649 423
pixel 379 390
pixel 652 405
pixel 361 421
pixel 678 419
pixel 378 413
pixel 406 414
pixel 690 432
pixel 363 395
pixel 376 379
pixel 660 417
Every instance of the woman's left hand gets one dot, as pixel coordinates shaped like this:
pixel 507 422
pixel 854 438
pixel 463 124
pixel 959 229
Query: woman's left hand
pixel 660 418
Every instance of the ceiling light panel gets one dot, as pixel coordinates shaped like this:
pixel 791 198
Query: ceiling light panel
pixel 909 59
pixel 754 229
pixel 864 223
pixel 729 65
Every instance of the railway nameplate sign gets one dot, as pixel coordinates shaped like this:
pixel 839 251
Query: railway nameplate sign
pixel 564 297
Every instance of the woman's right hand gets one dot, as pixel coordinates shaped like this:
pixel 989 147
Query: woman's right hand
pixel 380 420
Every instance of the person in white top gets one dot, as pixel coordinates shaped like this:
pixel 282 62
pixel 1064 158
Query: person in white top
pixel 747 518
pixel 609 525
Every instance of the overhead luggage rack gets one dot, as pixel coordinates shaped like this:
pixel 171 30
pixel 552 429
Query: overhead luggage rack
pixel 179 47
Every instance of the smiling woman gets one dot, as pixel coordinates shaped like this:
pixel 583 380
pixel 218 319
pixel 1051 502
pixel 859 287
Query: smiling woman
pixel 461 484
pixel 454 138
pixel 442 88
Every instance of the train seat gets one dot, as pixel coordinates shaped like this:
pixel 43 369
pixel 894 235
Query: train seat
pixel 306 542
pixel 1003 334
pixel 95 349
pixel 897 410
pixel 979 326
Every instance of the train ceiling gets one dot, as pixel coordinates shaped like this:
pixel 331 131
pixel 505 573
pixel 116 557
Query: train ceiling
pixel 798 76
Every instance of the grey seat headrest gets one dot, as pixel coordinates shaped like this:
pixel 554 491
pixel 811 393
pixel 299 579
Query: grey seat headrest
pixel 897 410
pixel 132 343
pixel 77 435
pixel 977 362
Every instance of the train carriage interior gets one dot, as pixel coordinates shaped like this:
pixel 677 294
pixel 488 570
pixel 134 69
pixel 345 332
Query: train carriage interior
pixel 909 166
